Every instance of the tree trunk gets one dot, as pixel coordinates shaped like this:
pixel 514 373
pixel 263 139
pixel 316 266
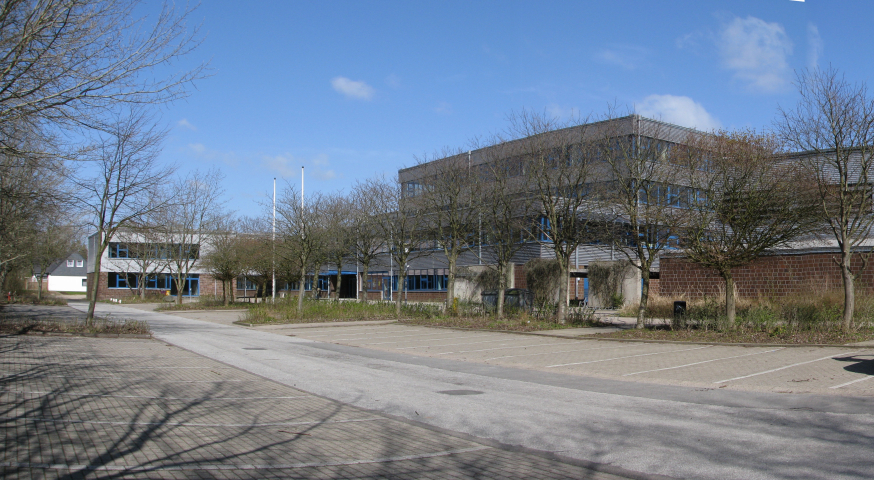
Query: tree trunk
pixel 849 289
pixel 450 283
pixel 339 279
pixel 39 286
pixel 95 285
pixel 402 280
pixel 3 272
pixel 561 312
pixel 363 287
pixel 730 301
pixel 644 298
pixel 502 285
pixel 180 286
pixel 300 289
pixel 225 298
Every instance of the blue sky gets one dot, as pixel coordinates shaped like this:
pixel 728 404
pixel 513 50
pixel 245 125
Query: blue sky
pixel 355 89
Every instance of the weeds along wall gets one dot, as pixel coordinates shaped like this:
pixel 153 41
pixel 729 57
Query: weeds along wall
pixel 777 275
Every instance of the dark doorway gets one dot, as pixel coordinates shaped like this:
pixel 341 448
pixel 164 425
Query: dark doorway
pixel 348 285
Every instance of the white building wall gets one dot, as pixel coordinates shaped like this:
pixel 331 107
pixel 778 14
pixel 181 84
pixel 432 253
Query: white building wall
pixel 66 284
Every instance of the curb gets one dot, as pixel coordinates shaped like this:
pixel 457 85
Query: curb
pixel 639 340
pixel 91 335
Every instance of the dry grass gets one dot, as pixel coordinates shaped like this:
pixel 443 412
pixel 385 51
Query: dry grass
pixel 17 326
pixel 811 318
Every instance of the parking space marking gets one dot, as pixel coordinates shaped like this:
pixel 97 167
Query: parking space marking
pixel 502 348
pixel 414 339
pixel 453 344
pixel 628 356
pixel 705 361
pixel 406 336
pixel 784 368
pixel 567 351
pixel 852 382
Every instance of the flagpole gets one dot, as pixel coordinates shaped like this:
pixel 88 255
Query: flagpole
pixel 274 239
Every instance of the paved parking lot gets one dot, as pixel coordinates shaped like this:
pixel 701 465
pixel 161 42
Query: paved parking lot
pixel 87 407
pixel 829 370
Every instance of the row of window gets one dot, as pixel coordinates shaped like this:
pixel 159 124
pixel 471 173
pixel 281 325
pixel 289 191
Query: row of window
pixel 158 281
pixel 78 263
pixel 161 251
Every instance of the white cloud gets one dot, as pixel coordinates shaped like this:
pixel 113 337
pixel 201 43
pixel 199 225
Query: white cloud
pixel 678 110
pixel 288 166
pixel 352 88
pixel 393 81
pixel 555 110
pixel 201 152
pixel 444 108
pixel 184 123
pixel 756 51
pixel 628 57
pixel 814 46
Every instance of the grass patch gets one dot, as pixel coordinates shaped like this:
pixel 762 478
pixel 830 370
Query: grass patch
pixel 285 311
pixel 814 318
pixel 744 335
pixel 17 326
pixel 475 317
pixel 205 302
pixel 29 298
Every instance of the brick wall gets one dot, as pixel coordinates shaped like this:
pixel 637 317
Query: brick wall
pixel 208 286
pixel 772 276
pixel 519 276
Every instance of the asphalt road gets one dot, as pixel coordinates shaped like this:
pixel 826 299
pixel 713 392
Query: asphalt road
pixel 683 432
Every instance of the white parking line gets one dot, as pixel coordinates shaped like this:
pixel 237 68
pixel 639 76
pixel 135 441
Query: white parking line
pixel 414 340
pixel 370 332
pixel 568 351
pixel 699 363
pixel 628 356
pixel 853 381
pixel 452 344
pixel 784 368
pixel 503 348
pixel 411 335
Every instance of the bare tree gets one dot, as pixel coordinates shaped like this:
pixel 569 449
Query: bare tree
pixel 367 240
pixel 124 186
pixel 648 206
pixel 401 221
pixel 225 260
pixel 195 211
pixel 558 160
pixel 56 238
pixel 66 63
pixel 302 234
pixel 745 200
pixel 832 127
pixel 33 187
pixel 448 190
pixel 505 207
pixel 338 222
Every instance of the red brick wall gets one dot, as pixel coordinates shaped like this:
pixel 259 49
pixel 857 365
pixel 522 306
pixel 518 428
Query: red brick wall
pixel 519 276
pixel 654 286
pixel 208 286
pixel 772 276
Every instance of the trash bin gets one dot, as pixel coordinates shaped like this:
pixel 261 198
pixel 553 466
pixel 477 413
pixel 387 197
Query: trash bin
pixel 518 298
pixel 679 308
pixel 490 299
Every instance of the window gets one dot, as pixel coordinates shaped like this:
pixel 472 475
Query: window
pixel 69 263
pixel 84 282
pixel 244 283
pixel 427 282
pixel 121 280
pixel 79 263
pixel 118 250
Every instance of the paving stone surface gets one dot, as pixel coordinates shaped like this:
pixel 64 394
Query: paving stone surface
pixel 126 408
